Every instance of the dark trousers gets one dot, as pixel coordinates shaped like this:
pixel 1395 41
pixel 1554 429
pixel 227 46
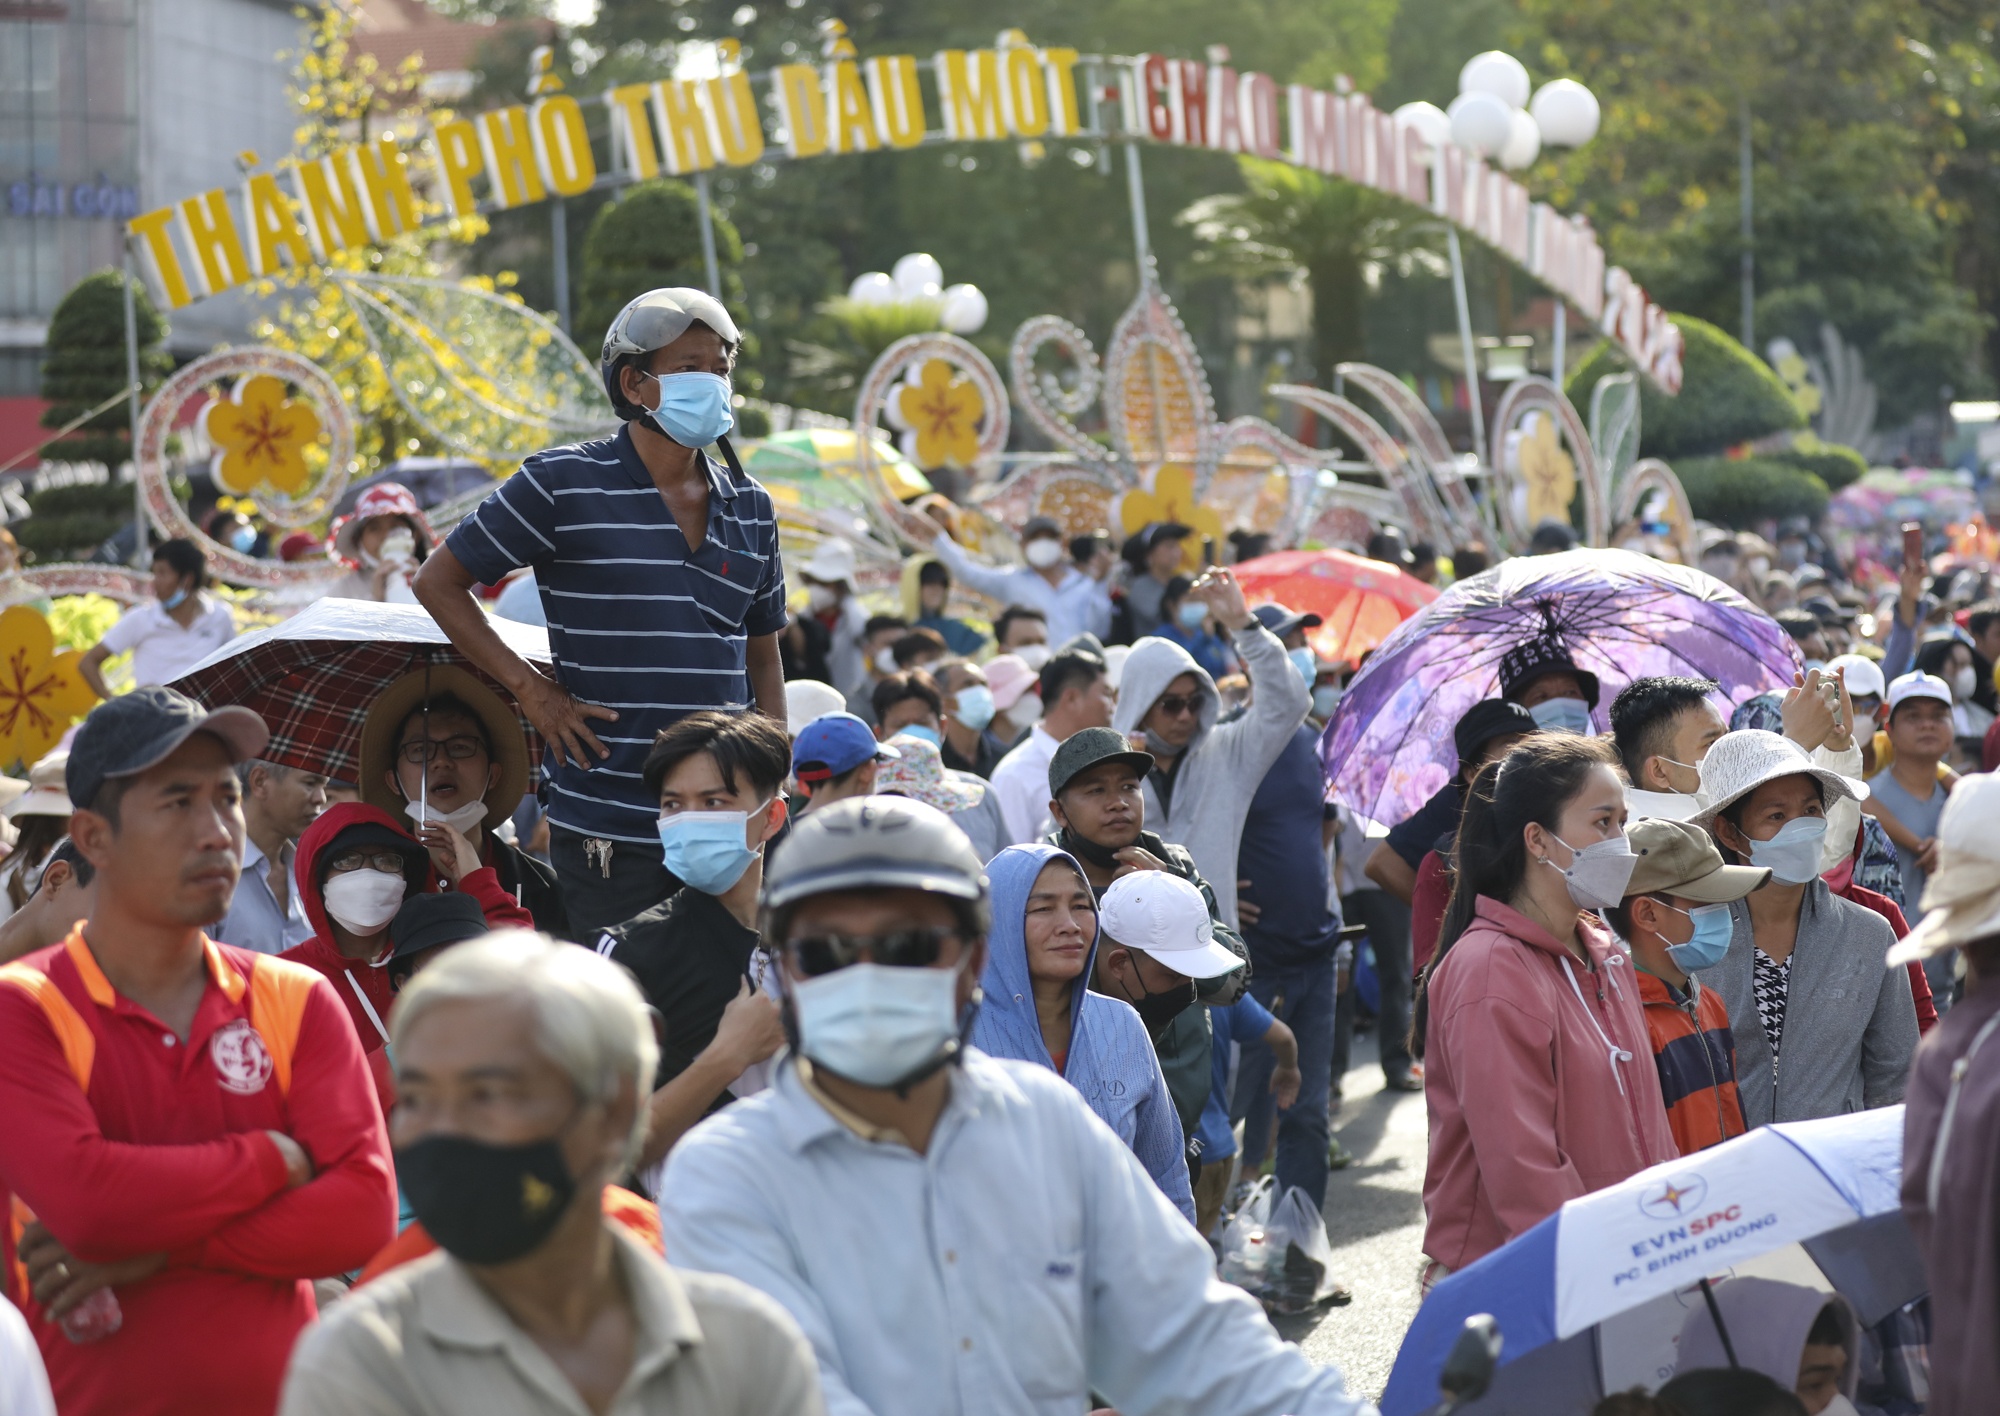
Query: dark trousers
pixel 1388 921
pixel 595 900
pixel 1302 999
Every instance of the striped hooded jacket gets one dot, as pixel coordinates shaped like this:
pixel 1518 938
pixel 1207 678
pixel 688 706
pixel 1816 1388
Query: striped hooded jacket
pixel 1696 1056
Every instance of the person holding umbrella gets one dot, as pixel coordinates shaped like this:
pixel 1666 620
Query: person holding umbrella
pixel 661 577
pixel 1529 1020
pixel 1821 1028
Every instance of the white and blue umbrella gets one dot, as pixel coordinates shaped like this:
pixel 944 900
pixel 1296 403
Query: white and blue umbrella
pixel 1591 1299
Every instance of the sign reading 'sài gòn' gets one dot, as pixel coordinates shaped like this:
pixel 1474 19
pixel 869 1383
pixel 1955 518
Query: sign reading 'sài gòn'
pixel 528 152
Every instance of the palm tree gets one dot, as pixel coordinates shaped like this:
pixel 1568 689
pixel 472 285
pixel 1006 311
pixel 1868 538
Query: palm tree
pixel 1342 235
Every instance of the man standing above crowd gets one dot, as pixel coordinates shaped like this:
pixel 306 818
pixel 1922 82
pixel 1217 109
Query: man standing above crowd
pixel 660 572
pixel 954 1232
pixel 191 1124
pixel 266 914
pixel 1075 690
pixel 1071 602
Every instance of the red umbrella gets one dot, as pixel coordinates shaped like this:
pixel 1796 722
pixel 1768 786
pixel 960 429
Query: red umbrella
pixel 1361 600
pixel 314 676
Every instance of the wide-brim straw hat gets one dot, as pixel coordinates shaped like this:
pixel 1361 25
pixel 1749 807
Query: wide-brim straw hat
pixel 382 727
pixel 1742 761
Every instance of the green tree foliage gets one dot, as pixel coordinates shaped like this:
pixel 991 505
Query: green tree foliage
pixel 650 237
pixel 1728 395
pixel 1832 463
pixel 86 365
pixel 1741 492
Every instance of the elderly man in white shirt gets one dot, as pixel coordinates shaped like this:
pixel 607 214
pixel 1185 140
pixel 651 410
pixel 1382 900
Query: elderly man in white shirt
pixel 1073 603
pixel 266 913
pixel 957 1234
pixel 1075 689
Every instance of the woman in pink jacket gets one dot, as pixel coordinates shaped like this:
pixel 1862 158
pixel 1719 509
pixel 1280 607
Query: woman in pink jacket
pixel 1538 1074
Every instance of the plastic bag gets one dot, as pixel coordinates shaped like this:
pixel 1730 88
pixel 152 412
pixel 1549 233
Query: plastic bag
pixel 1299 1258
pixel 1245 1258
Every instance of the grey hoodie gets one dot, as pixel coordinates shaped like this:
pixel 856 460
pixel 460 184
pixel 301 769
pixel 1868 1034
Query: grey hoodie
pixel 1850 1024
pixel 1223 765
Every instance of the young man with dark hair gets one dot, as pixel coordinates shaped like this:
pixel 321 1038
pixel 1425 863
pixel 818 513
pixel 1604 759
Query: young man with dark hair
pixel 1803 627
pixel 1076 694
pixel 63 895
pixel 1907 797
pixel 169 634
pixel 719 780
pixel 968 713
pixel 918 649
pixel 1663 726
pixel 217 1145
pixel 660 573
pixel 1020 627
pixel 879 637
pixel 1071 602
pixel 909 701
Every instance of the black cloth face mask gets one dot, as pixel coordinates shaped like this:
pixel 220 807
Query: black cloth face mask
pixel 1157 1010
pixel 1105 857
pixel 486 1204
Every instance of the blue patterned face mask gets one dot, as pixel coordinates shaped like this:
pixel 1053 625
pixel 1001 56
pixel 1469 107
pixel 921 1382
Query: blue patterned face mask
pixel 694 408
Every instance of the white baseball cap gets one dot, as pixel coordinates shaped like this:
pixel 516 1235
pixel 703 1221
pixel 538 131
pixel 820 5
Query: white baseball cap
pixel 1863 675
pixel 1160 914
pixel 807 699
pixel 1918 685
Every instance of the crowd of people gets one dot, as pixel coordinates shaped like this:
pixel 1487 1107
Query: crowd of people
pixel 883 1013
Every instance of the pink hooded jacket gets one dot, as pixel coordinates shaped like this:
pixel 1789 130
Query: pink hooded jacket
pixel 1528 1105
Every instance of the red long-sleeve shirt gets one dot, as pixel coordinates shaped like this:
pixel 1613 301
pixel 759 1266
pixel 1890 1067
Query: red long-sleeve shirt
pixel 163 1151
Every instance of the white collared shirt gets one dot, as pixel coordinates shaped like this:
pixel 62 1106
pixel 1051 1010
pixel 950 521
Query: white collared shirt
pixel 162 649
pixel 256 920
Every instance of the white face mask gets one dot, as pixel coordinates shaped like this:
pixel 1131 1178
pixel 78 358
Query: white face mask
pixel 885 662
pixel 1043 552
pixel 461 820
pixel 1598 873
pixel 1034 655
pixel 1026 712
pixel 362 901
pixel 1963 683
pixel 820 598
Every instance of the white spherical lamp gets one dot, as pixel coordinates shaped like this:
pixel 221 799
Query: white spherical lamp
pixel 873 288
pixel 1427 120
pixel 1524 142
pixel 964 309
pixel 1480 122
pixel 918 276
pixel 1497 73
pixel 1566 112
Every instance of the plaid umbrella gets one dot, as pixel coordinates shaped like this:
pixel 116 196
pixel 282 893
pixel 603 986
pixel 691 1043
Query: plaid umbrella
pixel 314 676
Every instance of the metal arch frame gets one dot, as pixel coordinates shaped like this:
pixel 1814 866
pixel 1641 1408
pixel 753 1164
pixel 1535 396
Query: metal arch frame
pixel 149 457
pixel 1650 474
pixel 1535 393
pixel 869 403
pixel 1048 407
pixel 1425 436
pixel 1419 497
pixel 1151 319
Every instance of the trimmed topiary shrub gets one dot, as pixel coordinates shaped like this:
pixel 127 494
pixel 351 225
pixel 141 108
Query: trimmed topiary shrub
pixel 1728 395
pixel 1835 464
pixel 1740 492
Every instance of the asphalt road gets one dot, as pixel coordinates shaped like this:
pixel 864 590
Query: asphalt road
pixel 1375 1220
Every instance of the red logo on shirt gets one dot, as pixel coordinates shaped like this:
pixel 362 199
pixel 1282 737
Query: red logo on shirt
pixel 241 1063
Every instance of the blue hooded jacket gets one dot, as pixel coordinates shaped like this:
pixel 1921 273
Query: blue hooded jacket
pixel 1111 1059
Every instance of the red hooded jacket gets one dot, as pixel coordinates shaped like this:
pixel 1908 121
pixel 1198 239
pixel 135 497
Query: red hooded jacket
pixel 363 984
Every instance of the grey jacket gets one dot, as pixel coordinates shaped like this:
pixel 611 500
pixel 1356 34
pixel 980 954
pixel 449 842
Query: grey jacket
pixel 1223 765
pixel 1850 1025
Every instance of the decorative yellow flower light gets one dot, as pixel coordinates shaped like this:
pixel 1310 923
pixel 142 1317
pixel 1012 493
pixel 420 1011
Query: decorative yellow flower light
pixel 41 692
pixel 944 412
pixel 1548 471
pixel 1171 498
pixel 263 437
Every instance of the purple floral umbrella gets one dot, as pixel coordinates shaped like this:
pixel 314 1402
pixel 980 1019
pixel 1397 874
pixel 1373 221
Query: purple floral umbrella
pixel 1620 615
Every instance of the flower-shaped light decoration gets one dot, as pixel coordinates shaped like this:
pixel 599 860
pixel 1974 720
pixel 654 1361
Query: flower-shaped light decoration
pixel 1171 497
pixel 41 691
pixel 943 411
pixel 262 436
pixel 1548 471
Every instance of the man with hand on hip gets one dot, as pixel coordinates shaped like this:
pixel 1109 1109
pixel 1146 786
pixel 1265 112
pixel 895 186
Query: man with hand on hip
pixel 659 571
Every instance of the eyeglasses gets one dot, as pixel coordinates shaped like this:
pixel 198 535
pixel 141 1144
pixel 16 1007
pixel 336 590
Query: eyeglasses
pixel 1175 704
pixel 906 949
pixel 388 862
pixel 458 748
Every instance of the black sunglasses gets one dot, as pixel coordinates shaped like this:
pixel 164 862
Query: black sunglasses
pixel 905 948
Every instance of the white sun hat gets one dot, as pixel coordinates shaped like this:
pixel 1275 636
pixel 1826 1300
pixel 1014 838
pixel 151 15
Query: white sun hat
pixel 1740 762
pixel 1962 896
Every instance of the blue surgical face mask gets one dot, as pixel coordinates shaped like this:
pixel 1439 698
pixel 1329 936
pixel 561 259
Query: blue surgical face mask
pixel 1326 698
pixel 974 706
pixel 880 1025
pixel 921 730
pixel 242 539
pixel 1191 614
pixel 1712 928
pixel 1562 715
pixel 175 600
pixel 1792 856
pixel 1307 665
pixel 706 849
pixel 694 408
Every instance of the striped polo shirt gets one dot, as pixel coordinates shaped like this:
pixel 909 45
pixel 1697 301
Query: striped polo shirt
pixel 637 622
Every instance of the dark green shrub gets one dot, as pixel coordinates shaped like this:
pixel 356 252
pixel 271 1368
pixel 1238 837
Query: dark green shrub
pixel 1728 395
pixel 1835 464
pixel 1740 492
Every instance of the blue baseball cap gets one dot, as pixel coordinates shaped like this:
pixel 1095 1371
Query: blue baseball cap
pixel 834 745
